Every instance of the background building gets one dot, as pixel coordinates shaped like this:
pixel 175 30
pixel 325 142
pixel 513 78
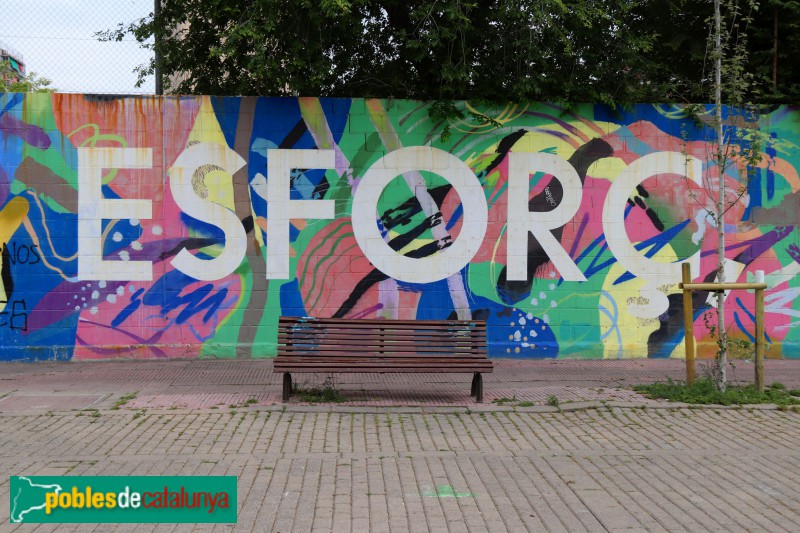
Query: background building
pixel 16 72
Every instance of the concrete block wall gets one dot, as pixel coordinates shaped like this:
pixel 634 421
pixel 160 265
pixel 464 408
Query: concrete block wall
pixel 157 227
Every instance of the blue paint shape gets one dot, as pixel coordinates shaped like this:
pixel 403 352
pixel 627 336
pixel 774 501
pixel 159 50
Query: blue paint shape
pixel 134 304
pixel 291 300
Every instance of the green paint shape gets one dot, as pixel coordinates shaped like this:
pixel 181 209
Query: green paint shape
pixel 445 491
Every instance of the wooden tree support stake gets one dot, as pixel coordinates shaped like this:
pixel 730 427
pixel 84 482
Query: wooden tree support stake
pixel 688 318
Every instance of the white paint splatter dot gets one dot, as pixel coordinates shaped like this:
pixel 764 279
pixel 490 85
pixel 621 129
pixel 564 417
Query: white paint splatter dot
pixel 134 221
pixel 530 316
pixel 101 284
pixel 525 344
pixel 552 286
pixel 124 255
pixel 136 245
pixel 93 310
pixel 517 335
pixel 83 299
pixel 534 334
pixel 95 295
pixel 130 288
pixel 112 298
pixel 534 302
pixel 553 303
pixel 77 307
pixel 117 237
pixel 545 319
pixel 157 230
pixel 552 274
pixel 120 290
pixel 542 295
pixel 74 296
pixel 522 321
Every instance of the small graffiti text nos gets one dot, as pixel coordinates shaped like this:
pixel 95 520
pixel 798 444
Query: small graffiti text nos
pixel 23 254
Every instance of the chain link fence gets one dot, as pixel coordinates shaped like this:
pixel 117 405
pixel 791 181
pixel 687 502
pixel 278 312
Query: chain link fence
pixel 56 40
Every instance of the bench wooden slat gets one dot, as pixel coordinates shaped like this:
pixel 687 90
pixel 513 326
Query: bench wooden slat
pixel 301 348
pixel 343 362
pixel 376 370
pixel 423 333
pixel 375 341
pixel 340 345
pixel 376 322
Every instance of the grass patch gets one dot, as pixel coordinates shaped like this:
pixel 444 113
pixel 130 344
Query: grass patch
pixel 552 401
pixel 327 393
pixel 703 391
pixel 504 400
pixel 123 400
pixel 512 402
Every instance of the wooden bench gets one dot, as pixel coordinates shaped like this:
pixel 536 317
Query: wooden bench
pixel 338 345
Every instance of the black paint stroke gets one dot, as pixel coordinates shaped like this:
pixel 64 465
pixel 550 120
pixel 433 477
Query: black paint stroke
pixel 402 214
pixel 8 281
pixel 505 146
pixel 376 276
pixel 293 137
pixel 321 189
pixel 406 238
pixel 195 243
pixel 662 341
pixel 639 200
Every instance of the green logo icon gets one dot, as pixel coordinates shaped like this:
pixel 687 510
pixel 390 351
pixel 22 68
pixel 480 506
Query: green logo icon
pixel 122 499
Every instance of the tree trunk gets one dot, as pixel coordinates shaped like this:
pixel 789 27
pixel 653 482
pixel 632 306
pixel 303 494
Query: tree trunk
pixel 722 341
pixel 775 47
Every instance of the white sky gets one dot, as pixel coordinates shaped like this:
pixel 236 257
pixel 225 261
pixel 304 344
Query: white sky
pixel 56 39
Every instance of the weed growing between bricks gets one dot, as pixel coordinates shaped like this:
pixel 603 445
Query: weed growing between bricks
pixel 324 394
pixel 123 400
pixel 704 392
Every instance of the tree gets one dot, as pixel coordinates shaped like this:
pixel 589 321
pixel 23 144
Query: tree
pixel 586 50
pixel 774 43
pixel 734 134
pixel 31 83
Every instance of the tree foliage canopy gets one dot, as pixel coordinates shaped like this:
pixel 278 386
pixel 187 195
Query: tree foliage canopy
pixel 613 51
pixel 11 81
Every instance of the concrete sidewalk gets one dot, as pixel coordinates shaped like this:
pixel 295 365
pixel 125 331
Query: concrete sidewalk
pixel 203 384
pixel 414 454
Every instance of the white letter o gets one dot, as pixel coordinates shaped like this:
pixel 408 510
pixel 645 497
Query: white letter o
pixel 447 261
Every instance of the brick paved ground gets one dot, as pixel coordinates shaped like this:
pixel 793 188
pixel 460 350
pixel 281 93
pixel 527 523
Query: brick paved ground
pixel 430 465
pixel 207 383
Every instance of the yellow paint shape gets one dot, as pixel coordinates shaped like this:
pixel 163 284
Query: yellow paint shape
pixel 634 331
pixel 206 129
pixel 607 168
pixel 11 217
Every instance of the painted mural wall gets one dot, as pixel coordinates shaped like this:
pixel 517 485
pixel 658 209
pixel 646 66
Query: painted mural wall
pixel 185 226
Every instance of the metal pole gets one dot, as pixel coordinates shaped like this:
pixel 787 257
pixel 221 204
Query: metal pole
pixel 688 323
pixel 157 49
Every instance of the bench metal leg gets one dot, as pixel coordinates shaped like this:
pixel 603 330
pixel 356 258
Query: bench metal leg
pixel 287 386
pixel 477 387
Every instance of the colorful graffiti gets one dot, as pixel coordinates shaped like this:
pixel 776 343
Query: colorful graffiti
pixel 185 226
